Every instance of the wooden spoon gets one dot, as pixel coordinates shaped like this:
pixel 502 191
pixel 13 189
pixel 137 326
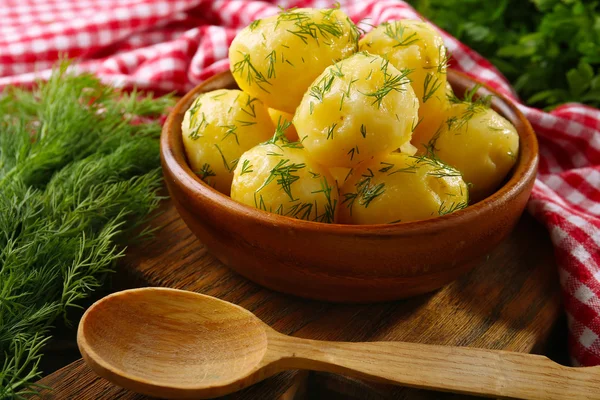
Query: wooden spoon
pixel 179 344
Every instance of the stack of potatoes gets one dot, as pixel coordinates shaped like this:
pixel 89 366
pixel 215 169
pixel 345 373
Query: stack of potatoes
pixel 332 128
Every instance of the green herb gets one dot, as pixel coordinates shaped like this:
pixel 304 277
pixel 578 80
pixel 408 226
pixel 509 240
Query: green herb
pixel 330 205
pixel 206 172
pixel 254 24
pixel 391 83
pixel 395 31
pixel 323 86
pixel 548 49
pixel 363 130
pixel 284 172
pixel 229 131
pixel 330 130
pixel 228 166
pixel 253 76
pixel 76 176
pixel 246 167
pixel 430 85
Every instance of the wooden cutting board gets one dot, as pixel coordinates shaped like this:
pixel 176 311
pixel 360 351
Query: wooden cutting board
pixel 509 302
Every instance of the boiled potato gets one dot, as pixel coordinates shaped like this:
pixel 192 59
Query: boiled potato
pixel 280 117
pixel 285 180
pixel 416 46
pixel 428 127
pixel 401 188
pixel 218 128
pixel 340 174
pixel 480 143
pixel 357 109
pixel 276 58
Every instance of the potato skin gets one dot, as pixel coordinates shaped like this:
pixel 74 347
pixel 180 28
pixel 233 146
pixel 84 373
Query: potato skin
pixel 276 58
pixel 357 109
pixel 480 143
pixel 285 181
pixel 218 128
pixel 401 188
pixel 417 46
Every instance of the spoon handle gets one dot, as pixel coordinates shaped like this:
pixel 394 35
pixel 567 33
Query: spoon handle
pixel 454 369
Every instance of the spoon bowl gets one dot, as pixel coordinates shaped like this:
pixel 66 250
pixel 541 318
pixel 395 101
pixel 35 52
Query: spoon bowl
pixel 178 344
pixel 193 341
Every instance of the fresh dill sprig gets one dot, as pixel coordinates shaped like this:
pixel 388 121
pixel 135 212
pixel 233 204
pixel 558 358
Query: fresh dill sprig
pixel 322 87
pixel 430 85
pixel 231 130
pixel 253 76
pixel 391 83
pixel 330 130
pixel 285 173
pixel 395 31
pixel 246 167
pixel 76 176
pixel 229 166
pixel 206 172
pixel 445 209
pixel 366 191
pixel 254 24
pixel 330 204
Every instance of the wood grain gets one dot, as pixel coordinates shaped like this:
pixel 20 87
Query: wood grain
pixel 186 345
pixel 509 302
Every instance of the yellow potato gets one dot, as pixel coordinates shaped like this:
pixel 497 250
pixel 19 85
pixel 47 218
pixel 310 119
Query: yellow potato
pixel 340 174
pixel 218 128
pixel 357 109
pixel 401 188
pixel 415 45
pixel 480 143
pixel 276 58
pixel 285 181
pixel 278 117
pixel 429 126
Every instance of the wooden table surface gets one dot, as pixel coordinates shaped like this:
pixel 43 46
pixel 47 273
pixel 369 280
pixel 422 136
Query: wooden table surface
pixel 509 302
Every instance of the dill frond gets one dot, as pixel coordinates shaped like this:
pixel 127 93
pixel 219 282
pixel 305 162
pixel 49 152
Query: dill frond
pixel 76 175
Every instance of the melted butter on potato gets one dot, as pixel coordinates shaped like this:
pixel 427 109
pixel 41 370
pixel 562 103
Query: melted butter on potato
pixel 480 143
pixel 218 128
pixel 357 109
pixel 415 45
pixel 283 179
pixel 401 188
pixel 276 58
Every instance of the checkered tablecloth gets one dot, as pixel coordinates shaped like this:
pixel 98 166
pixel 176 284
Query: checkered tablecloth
pixel 174 45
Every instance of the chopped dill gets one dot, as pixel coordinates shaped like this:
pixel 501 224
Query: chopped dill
pixel 353 151
pixel 330 130
pixel 246 167
pixel 230 130
pixel 206 172
pixel 253 76
pixel 229 167
pixel 284 172
pixel 363 130
pixel 395 31
pixel 452 207
pixel 391 83
pixel 272 57
pixel 254 24
pixel 430 85
pixel 319 90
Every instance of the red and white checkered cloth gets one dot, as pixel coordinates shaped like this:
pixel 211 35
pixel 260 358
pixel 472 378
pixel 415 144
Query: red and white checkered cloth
pixel 167 45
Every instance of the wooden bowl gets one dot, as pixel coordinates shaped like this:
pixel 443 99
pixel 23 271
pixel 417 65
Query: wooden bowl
pixel 347 263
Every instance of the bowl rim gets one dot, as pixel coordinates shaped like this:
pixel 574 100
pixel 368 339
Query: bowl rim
pixel 522 173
